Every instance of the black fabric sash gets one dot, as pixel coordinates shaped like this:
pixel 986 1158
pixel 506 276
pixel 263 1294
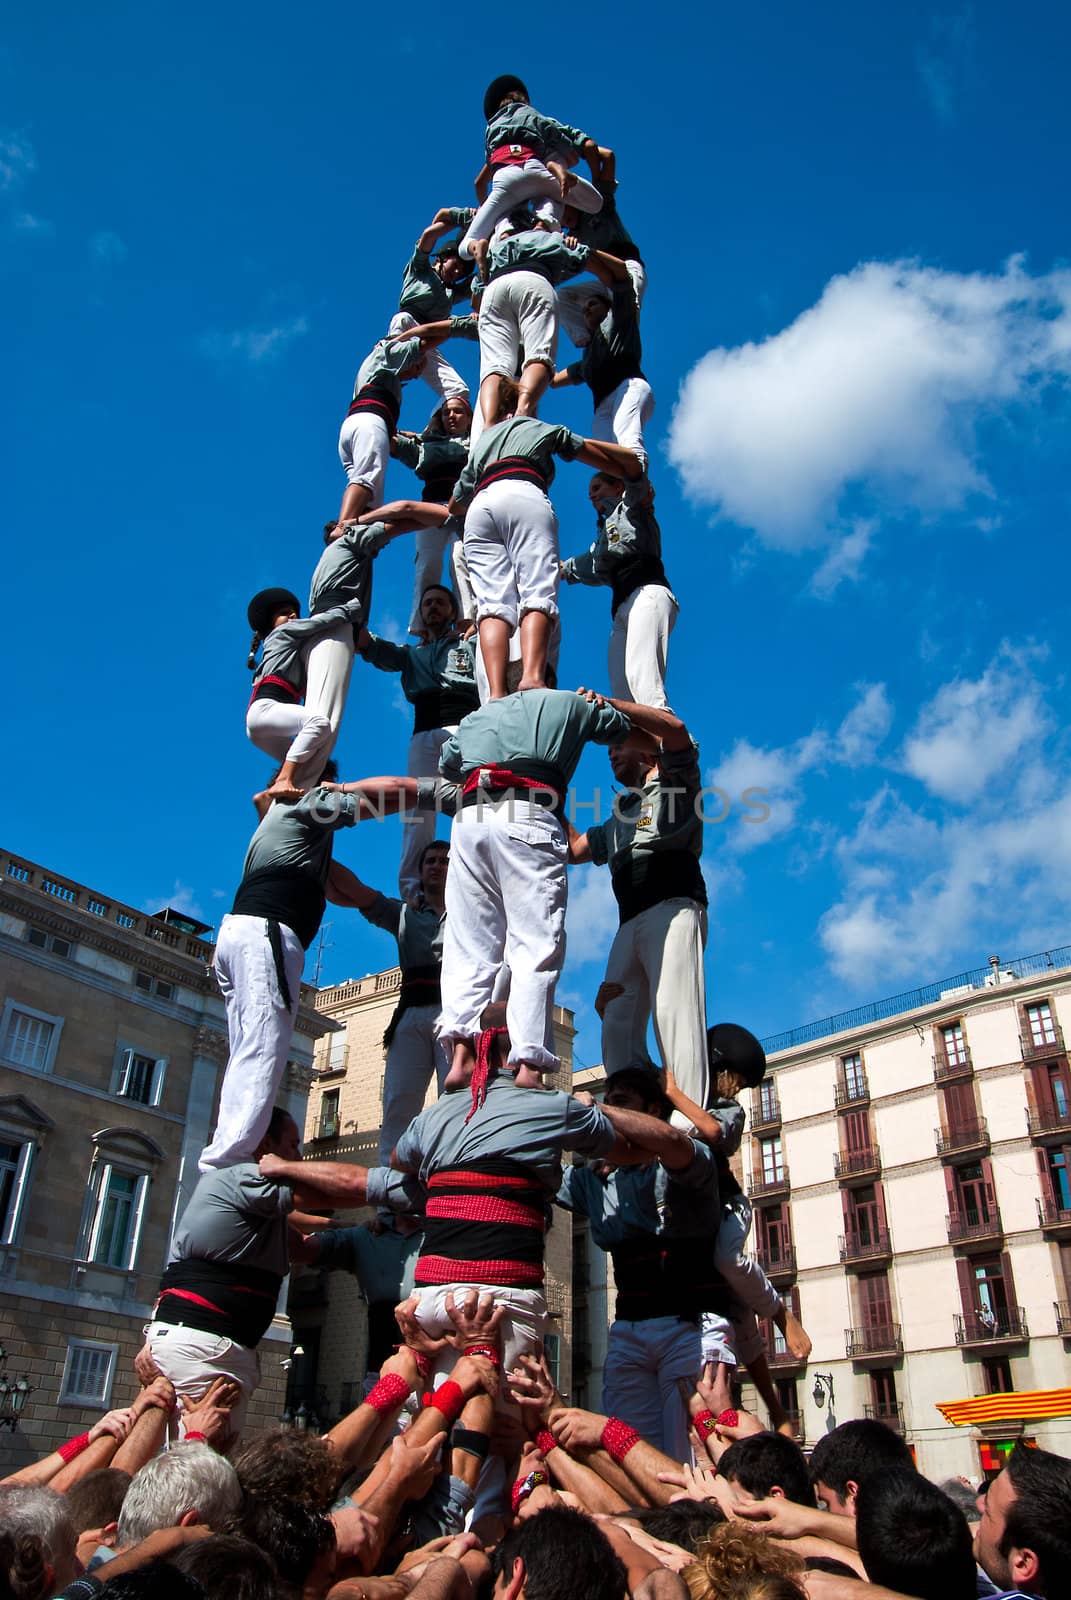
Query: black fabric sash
pixel 443 708
pixel 240 1300
pixel 283 894
pixel 646 878
pixel 420 987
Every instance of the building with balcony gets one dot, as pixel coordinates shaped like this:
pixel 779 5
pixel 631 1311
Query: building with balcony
pixel 928 1218
pixel 113 1040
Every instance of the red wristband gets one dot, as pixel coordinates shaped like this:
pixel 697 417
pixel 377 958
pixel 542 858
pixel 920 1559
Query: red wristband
pixel 704 1423
pixel 729 1418
pixel 388 1393
pixel 524 1487
pixel 546 1442
pixel 449 1398
pixel 618 1438
pixel 73 1447
pixel 196 1435
pixel 423 1362
pixel 489 1351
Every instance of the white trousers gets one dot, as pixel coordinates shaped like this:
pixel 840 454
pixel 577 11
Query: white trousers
pixel 644 1363
pixel 573 297
pixel 521 1330
pixel 328 665
pixel 623 415
pixel 518 313
pixel 514 186
pixel 289 733
pixel 748 1282
pixel 364 450
pixel 193 1360
pixel 511 545
pixel 413 1058
pixel 438 374
pixel 639 646
pixel 432 545
pixel 259 1027
pixel 418 826
pixel 658 958
pixel 505 898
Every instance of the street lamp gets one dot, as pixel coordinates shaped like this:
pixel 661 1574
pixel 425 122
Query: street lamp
pixel 818 1393
pixel 14 1393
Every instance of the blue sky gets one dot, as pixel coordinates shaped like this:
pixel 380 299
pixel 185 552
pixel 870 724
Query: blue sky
pixel 857 330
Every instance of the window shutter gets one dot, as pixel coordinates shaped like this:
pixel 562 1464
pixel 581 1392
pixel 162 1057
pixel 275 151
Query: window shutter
pixel 158 1071
pixel 125 1068
pixel 952 1192
pixel 1009 1280
pixel 1041 1084
pixel 968 1292
pixel 879 1196
pixel 134 1237
pixel 99 1196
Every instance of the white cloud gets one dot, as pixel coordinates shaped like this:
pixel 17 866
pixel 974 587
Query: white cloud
pixel 591 919
pixel 973 728
pixel 107 248
pixel 28 222
pixel 17 160
pixel 865 726
pixel 253 345
pixel 879 387
pixel 844 562
pixel 179 898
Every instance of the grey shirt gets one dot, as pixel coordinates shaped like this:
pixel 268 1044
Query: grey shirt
pixel 385 363
pixel 519 123
pixel 615 350
pixel 235 1215
pixel 447 663
pixel 535 250
pixel 384 1264
pixel 434 459
pixel 537 442
pixel 530 1126
pixel 419 929
pixel 299 834
pixel 286 647
pixel 634 1202
pixel 343 574
pixel 423 293
pixel 662 815
pixel 547 727
pixel 628 547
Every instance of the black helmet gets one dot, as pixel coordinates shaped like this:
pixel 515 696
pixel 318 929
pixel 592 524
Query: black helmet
pixel 731 1048
pixel 265 606
pixel 501 86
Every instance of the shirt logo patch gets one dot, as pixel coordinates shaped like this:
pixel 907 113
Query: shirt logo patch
pixel 644 819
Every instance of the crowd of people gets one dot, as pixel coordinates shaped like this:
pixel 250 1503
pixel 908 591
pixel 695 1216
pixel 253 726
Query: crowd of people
pixel 463 1472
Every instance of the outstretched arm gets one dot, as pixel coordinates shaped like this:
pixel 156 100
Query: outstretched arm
pixel 667 1144
pixel 344 888
pixel 607 268
pixel 661 725
pixel 440 225
pixel 380 797
pixel 611 458
pixel 579 848
pixel 406 515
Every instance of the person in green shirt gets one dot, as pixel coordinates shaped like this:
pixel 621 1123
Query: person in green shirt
pixel 431 288
pixel 437 456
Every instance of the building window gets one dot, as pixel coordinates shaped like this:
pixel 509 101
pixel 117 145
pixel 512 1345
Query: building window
pixel 157 986
pixel 87 1373
pixel 954 1044
pixel 997 1375
pixel 30 1037
pixel 329 1115
pixel 336 1051
pixel 1059 1178
pixel 116 1214
pixel 789 1397
pixel 15 1159
pixel 48 941
pixel 1040 1022
pixel 139 1077
pixel 769 1110
pixel 854 1076
pixel 552 1351
pixel 773 1161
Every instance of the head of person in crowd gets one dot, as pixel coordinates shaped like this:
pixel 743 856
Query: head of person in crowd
pixel 509 395
pixel 1024 1538
pixel 738 1562
pixel 268 610
pixel 737 1059
pixel 762 1466
pixel 438 610
pixel 94 1503
pixel 451 265
pixel 558 1555
pixel 188 1485
pixel 433 866
pixel 604 492
pixel 843 1460
pixel 635 760
pixel 299 1541
pixel 596 306
pixel 282 1465
pixel 960 1492
pixel 912 1538
pixel 685 1523
pixel 636 1089
pixel 40 1541
pixel 282 1139
pixel 229 1568
pixel 503 91
pixel 453 419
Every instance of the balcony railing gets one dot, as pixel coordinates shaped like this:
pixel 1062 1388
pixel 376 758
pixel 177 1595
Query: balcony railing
pixel 851 1094
pixel 959 1137
pixel 767 1113
pixel 967 1230
pixel 857 1163
pixel 1053 1217
pixel 946 1068
pixel 762 1186
pixel 870 1246
pixel 780 1360
pixel 882 1339
pixel 1062 1309
pixel 777 1264
pixel 1046 1124
pixel 1041 1049
pixel 892 1415
pixel 992 1327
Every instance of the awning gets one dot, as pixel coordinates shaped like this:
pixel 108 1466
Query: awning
pixel 1015 1407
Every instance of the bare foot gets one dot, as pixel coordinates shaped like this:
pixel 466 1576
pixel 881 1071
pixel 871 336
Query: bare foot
pixel 460 1074
pixel 530 683
pixel 282 790
pixel 527 1077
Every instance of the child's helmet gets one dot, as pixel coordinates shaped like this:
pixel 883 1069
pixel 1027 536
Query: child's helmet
pixel 731 1048
pixel 501 86
pixel 265 606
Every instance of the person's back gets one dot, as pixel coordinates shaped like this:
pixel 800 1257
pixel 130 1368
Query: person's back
pixel 912 1538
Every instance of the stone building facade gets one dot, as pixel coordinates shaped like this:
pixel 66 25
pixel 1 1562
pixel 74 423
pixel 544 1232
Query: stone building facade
pixel 344 1114
pixel 112 1043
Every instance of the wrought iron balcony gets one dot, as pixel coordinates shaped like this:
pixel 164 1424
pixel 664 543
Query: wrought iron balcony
pixel 881 1339
pixel 858 1247
pixel 1062 1309
pixel 778 1265
pixel 1049 1124
pixel 1054 1218
pixel 766 1186
pixel 962 1138
pixel 973 1228
pixel 893 1415
pixel 849 1165
pixel 1007 1326
pixel 856 1093
pixel 948 1068
pixel 767 1113
pixel 1042 1049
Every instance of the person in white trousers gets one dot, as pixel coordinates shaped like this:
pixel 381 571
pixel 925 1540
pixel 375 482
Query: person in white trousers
pixel 626 557
pixel 652 843
pixel 431 289
pixel 365 435
pixel 611 363
pixel 437 456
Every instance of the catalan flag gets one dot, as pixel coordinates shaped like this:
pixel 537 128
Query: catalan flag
pixel 1015 1407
